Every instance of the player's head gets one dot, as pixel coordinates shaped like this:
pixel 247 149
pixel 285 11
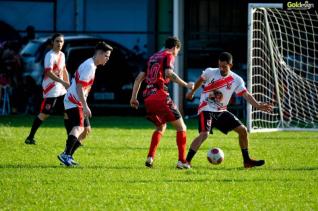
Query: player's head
pixel 57 41
pixel 102 53
pixel 173 44
pixel 225 63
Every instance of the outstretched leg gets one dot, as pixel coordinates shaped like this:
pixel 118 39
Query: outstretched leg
pixel 35 126
pixel 243 141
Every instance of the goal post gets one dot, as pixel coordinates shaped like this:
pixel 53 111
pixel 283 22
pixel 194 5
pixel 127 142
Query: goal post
pixel 282 67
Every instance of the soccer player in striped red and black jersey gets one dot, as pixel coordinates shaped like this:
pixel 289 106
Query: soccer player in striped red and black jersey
pixel 55 83
pixel 218 86
pixel 159 106
pixel 76 107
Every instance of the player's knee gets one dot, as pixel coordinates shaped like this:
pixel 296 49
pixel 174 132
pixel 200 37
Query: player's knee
pixel 43 116
pixel 65 116
pixel 242 131
pixel 77 131
pixel 162 128
pixel 87 131
pixel 182 127
pixel 204 136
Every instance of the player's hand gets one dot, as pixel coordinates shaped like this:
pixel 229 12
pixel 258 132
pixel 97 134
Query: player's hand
pixel 189 96
pixel 265 107
pixel 134 103
pixel 87 111
pixel 190 85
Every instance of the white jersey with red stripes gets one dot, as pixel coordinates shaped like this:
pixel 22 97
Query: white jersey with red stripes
pixel 53 62
pixel 85 75
pixel 217 90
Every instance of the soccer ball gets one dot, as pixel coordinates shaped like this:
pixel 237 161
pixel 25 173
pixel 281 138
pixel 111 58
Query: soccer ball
pixel 215 156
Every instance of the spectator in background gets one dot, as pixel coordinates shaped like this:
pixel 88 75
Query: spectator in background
pixel 12 70
pixel 29 36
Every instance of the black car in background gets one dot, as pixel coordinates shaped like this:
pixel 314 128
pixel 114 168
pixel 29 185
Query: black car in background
pixel 113 82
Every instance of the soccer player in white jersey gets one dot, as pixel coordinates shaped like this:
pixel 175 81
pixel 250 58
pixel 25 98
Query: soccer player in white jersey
pixel 55 83
pixel 218 87
pixel 75 103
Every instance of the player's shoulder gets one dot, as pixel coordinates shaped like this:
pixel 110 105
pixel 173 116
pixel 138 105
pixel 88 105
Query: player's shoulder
pixel 163 53
pixel 88 64
pixel 236 76
pixel 49 54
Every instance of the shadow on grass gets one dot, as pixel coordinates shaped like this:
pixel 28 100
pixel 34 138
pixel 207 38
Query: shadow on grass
pixel 96 122
pixel 310 168
pixel 141 167
pixel 27 166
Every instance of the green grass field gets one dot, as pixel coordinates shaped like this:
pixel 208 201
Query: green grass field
pixel 112 175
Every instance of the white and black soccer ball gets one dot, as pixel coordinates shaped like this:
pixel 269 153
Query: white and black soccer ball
pixel 215 156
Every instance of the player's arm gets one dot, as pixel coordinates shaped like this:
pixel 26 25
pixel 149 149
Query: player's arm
pixel 197 85
pixel 80 92
pixel 175 78
pixel 133 101
pixel 54 77
pixel 65 75
pixel 258 105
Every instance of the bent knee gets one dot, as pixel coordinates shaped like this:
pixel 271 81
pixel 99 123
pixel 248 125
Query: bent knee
pixel 162 128
pixel 77 130
pixel 43 116
pixel 86 131
pixel 241 130
pixel 204 135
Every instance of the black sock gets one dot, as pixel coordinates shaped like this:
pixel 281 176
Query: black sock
pixel 67 125
pixel 76 145
pixel 190 155
pixel 70 142
pixel 245 154
pixel 36 124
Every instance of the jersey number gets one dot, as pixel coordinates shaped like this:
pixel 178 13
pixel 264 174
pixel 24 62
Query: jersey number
pixel 153 73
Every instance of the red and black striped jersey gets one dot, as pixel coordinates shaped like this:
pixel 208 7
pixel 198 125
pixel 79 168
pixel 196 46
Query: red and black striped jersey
pixel 155 74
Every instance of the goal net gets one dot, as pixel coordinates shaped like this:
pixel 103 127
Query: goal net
pixel 283 68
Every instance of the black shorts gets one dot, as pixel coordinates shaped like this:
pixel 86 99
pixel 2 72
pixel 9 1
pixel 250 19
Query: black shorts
pixel 51 104
pixel 224 121
pixel 76 117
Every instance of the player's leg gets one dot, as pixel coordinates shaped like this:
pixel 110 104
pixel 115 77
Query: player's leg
pixel 155 140
pixel 45 111
pixel 73 138
pixel 173 115
pixel 181 139
pixel 76 119
pixel 243 140
pixel 227 122
pixel 154 105
pixel 60 107
pixel 67 124
pixel 205 121
pixel 83 135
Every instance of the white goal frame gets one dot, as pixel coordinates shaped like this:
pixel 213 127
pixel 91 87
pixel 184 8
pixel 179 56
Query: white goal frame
pixel 251 9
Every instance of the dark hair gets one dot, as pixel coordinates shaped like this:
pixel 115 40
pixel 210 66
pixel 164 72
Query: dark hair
pixel 56 35
pixel 226 57
pixel 103 47
pixel 172 42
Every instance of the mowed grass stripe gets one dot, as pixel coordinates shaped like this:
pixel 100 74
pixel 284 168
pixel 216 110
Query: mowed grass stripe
pixel 112 175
